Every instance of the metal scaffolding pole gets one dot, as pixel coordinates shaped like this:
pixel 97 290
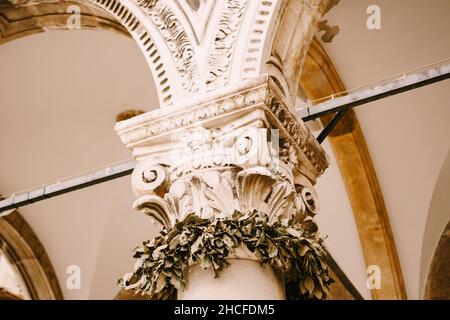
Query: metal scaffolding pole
pixel 68 185
pixel 335 105
pixel 374 93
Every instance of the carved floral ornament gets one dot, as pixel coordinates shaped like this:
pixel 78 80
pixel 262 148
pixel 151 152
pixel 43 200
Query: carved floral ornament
pixel 218 148
pixel 228 144
pixel 238 150
pixel 190 46
pixel 232 192
pixel 227 194
pixel 257 100
pixel 219 193
pixel 175 37
pixel 201 46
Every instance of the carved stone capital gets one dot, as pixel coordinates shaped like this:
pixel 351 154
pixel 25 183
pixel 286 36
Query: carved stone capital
pixel 241 149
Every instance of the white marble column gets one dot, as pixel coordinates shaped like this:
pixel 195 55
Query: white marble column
pixel 240 150
pixel 226 137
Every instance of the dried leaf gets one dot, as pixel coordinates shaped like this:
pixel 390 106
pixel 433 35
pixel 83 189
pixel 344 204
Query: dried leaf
pixel 293 232
pixel 303 250
pixel 298 255
pixel 195 246
pixel 272 250
pixel 309 284
pixel 160 283
pixel 228 242
pixel 310 226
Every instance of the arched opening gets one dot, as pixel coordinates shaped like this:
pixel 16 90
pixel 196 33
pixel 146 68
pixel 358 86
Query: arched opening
pixel 18 21
pixel 25 269
pixel 22 18
pixel 12 285
pixel 119 10
pixel 436 287
pixel 61 92
pixel 435 271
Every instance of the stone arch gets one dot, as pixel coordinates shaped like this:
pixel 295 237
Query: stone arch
pixel 278 40
pixel 190 49
pixel 320 79
pixel 436 287
pixel 24 250
pixel 18 21
pixel 435 243
pixel 152 24
pixel 6 295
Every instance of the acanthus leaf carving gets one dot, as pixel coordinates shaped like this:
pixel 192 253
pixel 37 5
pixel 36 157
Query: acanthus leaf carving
pixel 219 59
pixel 253 187
pixel 281 201
pixel 221 198
pixel 176 40
pixel 220 192
pixel 301 149
pixel 157 208
pixel 249 163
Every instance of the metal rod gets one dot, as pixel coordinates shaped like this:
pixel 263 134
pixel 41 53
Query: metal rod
pixel 375 93
pixel 336 105
pixel 330 125
pixel 95 177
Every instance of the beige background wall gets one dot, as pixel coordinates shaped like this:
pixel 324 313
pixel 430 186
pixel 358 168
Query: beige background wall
pixel 60 92
pixel 407 135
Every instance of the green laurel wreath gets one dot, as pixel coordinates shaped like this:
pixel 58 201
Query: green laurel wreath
pixel 294 249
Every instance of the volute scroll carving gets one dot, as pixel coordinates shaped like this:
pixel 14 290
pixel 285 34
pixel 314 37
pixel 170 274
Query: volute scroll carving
pixel 243 150
pixel 148 177
pixel 216 174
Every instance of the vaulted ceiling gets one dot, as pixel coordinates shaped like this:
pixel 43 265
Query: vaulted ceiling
pixel 60 93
